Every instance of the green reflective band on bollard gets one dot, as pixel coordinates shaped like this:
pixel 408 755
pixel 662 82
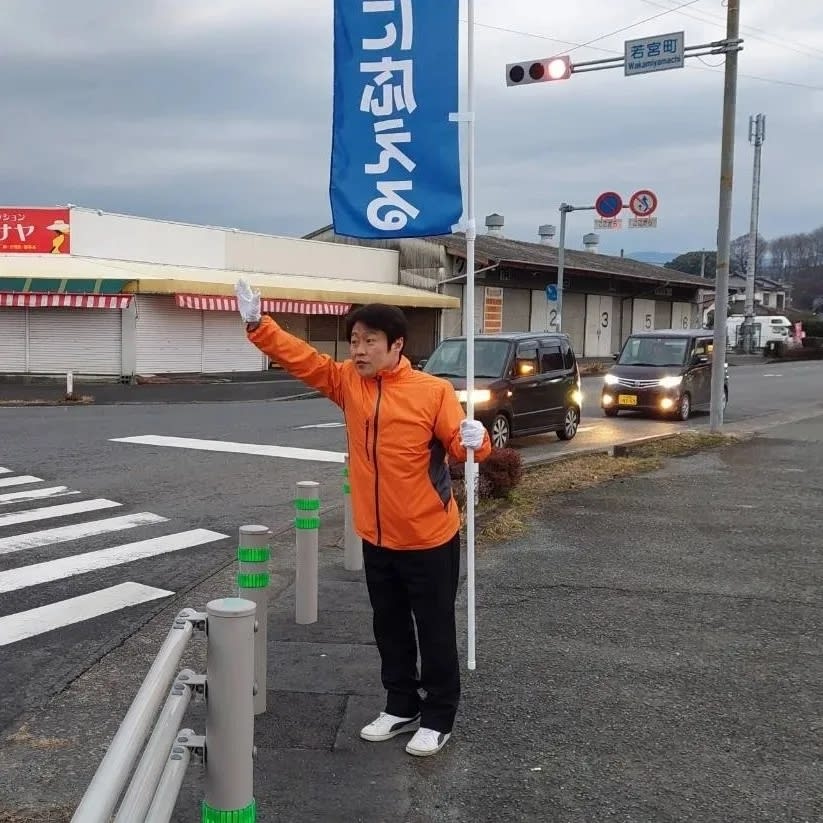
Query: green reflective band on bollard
pixel 346 472
pixel 307 505
pixel 247 815
pixel 252 581
pixel 253 555
pixel 307 522
pixel 346 488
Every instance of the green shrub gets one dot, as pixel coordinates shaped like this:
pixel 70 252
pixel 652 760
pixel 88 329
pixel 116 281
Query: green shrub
pixel 500 472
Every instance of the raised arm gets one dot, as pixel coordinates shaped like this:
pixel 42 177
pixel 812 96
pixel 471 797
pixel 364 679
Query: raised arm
pixel 296 356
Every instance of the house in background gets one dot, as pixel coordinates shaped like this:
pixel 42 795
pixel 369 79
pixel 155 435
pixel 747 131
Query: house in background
pixel 605 298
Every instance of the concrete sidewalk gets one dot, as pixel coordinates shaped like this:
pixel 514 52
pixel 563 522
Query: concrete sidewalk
pixel 649 651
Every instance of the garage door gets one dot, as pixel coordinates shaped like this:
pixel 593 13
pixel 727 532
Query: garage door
pixel 82 341
pixel 643 315
pixel 225 345
pixel 12 340
pixel 169 339
pixel 681 315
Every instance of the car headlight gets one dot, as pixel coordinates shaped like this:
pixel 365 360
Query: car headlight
pixel 670 382
pixel 478 395
pixel 611 380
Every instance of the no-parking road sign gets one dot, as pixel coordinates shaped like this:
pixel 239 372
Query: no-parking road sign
pixel 609 204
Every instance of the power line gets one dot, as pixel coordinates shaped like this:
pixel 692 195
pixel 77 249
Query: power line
pixel 714 20
pixel 635 25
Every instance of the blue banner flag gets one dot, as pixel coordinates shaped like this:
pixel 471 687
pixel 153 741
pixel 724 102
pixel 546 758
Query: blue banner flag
pixel 395 164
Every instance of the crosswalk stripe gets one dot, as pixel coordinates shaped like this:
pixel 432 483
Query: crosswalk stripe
pixel 52 570
pixel 20 480
pixel 62 534
pixel 4 471
pixel 35 494
pixel 20 626
pixel 265 450
pixel 16 627
pixel 46 512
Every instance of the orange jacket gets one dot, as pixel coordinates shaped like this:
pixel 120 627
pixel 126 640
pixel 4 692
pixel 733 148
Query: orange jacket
pixel 400 426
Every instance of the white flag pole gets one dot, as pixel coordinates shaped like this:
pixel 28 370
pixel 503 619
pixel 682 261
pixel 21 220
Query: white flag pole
pixel 471 468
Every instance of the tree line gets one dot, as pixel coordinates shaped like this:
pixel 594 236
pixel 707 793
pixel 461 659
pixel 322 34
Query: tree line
pixel 796 259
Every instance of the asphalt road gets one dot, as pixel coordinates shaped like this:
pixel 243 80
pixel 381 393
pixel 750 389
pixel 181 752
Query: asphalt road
pixel 172 492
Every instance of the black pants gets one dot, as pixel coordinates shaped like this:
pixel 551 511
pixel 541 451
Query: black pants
pixel 423 583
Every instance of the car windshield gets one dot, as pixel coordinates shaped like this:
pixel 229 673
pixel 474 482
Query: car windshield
pixel 654 351
pixel 449 358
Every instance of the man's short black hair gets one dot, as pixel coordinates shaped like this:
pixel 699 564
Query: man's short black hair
pixel 379 317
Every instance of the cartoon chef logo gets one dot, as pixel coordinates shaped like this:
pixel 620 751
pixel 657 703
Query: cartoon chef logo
pixel 61 230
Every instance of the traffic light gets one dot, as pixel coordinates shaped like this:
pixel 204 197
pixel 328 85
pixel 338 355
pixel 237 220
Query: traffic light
pixel 539 71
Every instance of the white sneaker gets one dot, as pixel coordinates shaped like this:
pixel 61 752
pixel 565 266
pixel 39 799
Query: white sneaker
pixel 387 726
pixel 427 742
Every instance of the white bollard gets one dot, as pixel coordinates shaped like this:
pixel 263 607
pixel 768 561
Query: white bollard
pixel 69 385
pixel 229 783
pixel 253 556
pixel 307 524
pixel 352 544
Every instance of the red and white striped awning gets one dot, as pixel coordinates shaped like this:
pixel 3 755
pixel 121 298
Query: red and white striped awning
pixel 42 300
pixel 205 302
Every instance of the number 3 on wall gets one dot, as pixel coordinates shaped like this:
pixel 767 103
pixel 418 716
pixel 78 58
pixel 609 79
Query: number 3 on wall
pixel 604 320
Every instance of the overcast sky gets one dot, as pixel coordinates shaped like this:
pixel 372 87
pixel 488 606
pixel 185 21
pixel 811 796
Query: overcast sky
pixel 219 112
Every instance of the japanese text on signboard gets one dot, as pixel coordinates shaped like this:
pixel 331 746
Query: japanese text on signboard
pixel 34 231
pixel 395 162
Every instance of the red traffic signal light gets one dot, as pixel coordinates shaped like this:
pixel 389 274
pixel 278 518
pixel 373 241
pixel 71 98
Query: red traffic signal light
pixel 539 71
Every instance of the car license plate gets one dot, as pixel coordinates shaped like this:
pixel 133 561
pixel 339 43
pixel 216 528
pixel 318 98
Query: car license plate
pixel 627 399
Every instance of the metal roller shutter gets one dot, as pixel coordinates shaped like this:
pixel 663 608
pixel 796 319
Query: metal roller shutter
pixel 168 339
pixel 78 340
pixel 643 315
pixel 225 345
pixel 12 340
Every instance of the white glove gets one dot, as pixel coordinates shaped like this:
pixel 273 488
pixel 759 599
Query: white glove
pixel 471 434
pixel 248 301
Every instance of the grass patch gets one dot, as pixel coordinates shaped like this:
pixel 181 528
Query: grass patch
pixel 501 519
pixel 685 443
pixel 54 814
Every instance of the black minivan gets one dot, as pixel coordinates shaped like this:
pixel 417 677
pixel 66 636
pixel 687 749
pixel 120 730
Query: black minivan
pixel 666 371
pixel 525 382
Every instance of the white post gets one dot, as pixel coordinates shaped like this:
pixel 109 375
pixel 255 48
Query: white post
pixel 229 783
pixel 307 523
pixel 69 385
pixel 471 232
pixel 352 544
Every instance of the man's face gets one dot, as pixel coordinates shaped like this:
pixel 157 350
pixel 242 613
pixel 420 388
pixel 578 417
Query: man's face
pixel 371 352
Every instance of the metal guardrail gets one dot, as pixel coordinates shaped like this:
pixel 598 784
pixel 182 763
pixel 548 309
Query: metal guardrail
pixel 234 689
pixel 234 681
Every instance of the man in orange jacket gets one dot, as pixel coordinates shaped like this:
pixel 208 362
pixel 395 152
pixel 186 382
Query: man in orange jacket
pixel 401 425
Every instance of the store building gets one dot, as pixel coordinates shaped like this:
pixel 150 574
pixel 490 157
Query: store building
pixel 121 296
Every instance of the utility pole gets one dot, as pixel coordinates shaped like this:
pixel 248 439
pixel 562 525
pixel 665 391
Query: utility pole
pixel 703 263
pixel 561 262
pixel 721 283
pixel 757 135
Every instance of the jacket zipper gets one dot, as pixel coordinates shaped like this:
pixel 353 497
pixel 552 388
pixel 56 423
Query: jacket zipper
pixel 368 457
pixel 376 473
